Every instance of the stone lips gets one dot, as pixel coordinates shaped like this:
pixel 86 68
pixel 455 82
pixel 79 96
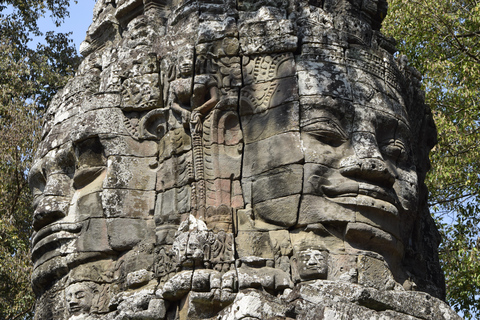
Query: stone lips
pixel 236 159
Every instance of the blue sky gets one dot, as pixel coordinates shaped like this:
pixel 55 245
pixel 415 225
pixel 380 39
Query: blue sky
pixel 80 19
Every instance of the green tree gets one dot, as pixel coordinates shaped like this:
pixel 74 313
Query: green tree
pixel 28 78
pixel 441 38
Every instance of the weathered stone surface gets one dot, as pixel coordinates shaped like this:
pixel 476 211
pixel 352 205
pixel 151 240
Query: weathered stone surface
pixel 271 122
pixel 128 203
pixel 126 233
pixel 236 160
pixel 280 211
pixel 270 153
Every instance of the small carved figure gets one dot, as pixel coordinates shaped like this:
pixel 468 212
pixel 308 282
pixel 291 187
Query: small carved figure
pixel 312 264
pixel 192 101
pixel 190 243
pixel 79 298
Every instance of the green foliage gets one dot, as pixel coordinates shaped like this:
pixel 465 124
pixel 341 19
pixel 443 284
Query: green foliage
pixel 28 78
pixel 441 38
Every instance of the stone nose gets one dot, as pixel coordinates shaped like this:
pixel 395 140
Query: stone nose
pixel 372 170
pixel 51 203
pixel 72 301
pixel 48 210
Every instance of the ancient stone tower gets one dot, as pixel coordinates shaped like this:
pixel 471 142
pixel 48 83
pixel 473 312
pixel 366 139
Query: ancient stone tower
pixel 249 159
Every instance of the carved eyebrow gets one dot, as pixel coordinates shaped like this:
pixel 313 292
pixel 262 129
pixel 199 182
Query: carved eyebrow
pixel 333 108
pixel 319 113
pixel 330 121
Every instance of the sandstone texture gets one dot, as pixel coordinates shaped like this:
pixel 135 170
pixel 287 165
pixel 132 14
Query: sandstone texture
pixel 220 159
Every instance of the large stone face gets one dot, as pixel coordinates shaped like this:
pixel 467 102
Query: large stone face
pixel 236 160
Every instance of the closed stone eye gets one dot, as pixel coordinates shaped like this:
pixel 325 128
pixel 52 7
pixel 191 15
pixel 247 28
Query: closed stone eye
pixel 327 131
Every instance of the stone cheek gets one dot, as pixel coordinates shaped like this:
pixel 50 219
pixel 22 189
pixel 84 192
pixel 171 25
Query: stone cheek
pixel 231 160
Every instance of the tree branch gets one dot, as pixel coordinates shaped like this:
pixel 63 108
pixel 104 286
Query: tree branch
pixel 468 35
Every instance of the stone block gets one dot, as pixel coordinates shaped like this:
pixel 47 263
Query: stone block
pixel 271 122
pixel 270 153
pixel 86 83
pixel 257 98
pixel 279 212
pixel 97 122
pixel 264 9
pixel 244 220
pixel 381 220
pixel 213 30
pixel 218 192
pixel 257 277
pixel 175 141
pixel 127 146
pixel 141 258
pixel 267 36
pixel 253 244
pixel 49 209
pixel 320 240
pixel 280 241
pixel 67 110
pixel 374 273
pixel 88 206
pixel 51 305
pixel 315 209
pixel 237 195
pixel 223 161
pixel 319 176
pixel 131 173
pixel 367 237
pixel 343 267
pixel 102 100
pixel 141 93
pixel 264 68
pixel 178 286
pixel 277 183
pixel 323 52
pixel 124 233
pixel 138 278
pixel 368 62
pixel 100 270
pixel 173 202
pixel 176 171
pixel 219 218
pixel 94 237
pixel 317 78
pixel 128 203
pixel 256 304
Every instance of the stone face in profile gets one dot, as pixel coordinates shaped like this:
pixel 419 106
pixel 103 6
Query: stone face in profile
pixel 248 159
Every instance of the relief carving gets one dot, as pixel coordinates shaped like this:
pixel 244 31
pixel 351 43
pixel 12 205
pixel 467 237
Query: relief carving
pixel 220 159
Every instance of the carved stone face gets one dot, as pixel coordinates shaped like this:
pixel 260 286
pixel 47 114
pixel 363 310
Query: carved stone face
pixel 189 248
pixel 205 145
pixel 359 168
pixel 312 264
pixel 83 180
pixel 185 61
pixel 79 299
pixel 68 216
